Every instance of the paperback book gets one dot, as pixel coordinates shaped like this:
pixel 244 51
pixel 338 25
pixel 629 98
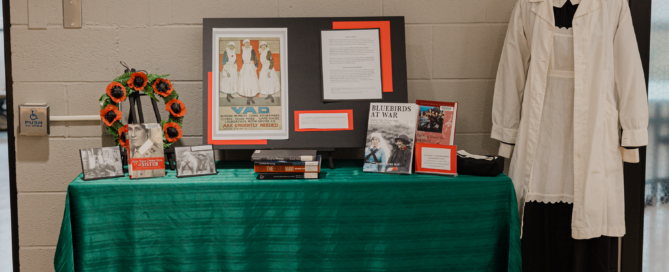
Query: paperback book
pixel 390 138
pixel 284 155
pixel 146 157
pixel 312 166
pixel 317 161
pixel 436 122
pixel 287 176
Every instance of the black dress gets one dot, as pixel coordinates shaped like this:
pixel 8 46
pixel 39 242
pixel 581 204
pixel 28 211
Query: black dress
pixel 547 244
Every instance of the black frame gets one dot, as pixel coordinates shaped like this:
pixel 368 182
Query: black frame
pixel 213 154
pixel 305 76
pixel 635 173
pixel 83 170
pixel 11 140
pixel 323 79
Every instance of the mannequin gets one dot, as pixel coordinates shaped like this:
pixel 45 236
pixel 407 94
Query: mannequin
pixel 573 96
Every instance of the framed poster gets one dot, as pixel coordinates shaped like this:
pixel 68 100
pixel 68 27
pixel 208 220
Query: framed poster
pixel 250 84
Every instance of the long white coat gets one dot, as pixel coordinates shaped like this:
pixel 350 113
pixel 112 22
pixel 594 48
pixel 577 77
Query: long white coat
pixel 610 93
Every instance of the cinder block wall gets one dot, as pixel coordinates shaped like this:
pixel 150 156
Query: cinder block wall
pixel 453 48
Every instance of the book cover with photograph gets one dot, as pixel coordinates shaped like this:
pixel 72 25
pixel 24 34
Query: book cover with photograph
pixel 146 157
pixel 99 163
pixel 195 161
pixel 436 122
pixel 390 138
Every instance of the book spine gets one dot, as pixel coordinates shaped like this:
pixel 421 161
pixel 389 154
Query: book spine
pixel 287 176
pixel 289 158
pixel 286 168
pixel 293 163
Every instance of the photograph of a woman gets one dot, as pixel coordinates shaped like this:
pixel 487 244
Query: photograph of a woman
pixel 376 154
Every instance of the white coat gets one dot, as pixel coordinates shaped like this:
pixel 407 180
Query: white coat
pixel 609 93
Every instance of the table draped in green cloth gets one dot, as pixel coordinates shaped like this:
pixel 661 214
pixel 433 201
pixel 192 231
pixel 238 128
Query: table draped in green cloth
pixel 348 220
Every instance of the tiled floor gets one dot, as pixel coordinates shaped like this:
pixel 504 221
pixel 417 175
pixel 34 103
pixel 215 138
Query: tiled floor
pixel 5 230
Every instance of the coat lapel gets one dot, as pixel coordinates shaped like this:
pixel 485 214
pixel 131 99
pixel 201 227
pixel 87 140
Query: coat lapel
pixel 544 10
pixel 587 6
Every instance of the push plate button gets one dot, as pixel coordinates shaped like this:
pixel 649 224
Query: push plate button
pixel 34 119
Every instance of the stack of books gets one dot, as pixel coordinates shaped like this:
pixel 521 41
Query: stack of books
pixel 286 164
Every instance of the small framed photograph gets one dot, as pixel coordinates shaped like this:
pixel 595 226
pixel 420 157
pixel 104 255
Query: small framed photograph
pixel 195 161
pixel 101 163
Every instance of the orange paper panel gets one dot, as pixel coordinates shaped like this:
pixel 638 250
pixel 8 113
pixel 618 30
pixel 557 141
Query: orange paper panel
pixel 386 54
pixel 225 142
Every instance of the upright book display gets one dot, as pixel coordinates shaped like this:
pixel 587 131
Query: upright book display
pixel 390 138
pixel 436 122
pixel 146 157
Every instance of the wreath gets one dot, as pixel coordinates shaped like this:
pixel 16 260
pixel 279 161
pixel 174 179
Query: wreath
pixel 130 82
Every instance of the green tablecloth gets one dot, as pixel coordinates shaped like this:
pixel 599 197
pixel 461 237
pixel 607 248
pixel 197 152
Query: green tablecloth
pixel 347 221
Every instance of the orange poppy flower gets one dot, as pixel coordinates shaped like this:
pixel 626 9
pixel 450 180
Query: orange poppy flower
pixel 122 135
pixel 116 92
pixel 138 81
pixel 176 108
pixel 162 87
pixel 172 132
pixel 110 114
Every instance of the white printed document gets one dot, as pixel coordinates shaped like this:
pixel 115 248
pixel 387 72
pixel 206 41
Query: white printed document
pixel 351 61
pixel 324 121
pixel 436 158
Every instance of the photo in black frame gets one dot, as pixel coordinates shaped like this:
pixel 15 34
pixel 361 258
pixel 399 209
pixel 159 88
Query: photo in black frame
pixel 101 163
pixel 195 161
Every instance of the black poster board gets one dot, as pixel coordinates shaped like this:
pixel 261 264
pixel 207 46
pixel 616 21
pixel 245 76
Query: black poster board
pixel 304 79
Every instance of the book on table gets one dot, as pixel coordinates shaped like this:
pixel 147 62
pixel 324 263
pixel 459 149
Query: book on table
pixel 284 155
pixel 390 138
pixel 436 122
pixel 288 166
pixel 288 176
pixel 146 157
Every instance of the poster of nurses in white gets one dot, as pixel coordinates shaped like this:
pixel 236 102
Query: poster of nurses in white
pixel 250 79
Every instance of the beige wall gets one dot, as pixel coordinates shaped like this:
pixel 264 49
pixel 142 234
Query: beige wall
pixel 453 48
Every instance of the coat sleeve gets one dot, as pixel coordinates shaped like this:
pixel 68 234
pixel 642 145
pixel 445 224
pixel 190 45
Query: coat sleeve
pixel 254 59
pixel 510 83
pixel 271 59
pixel 630 83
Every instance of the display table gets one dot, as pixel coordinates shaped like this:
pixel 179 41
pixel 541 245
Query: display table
pixel 346 221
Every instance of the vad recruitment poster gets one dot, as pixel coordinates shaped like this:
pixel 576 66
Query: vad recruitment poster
pixel 249 84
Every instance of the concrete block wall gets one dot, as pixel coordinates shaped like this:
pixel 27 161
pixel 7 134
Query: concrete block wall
pixel 453 49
